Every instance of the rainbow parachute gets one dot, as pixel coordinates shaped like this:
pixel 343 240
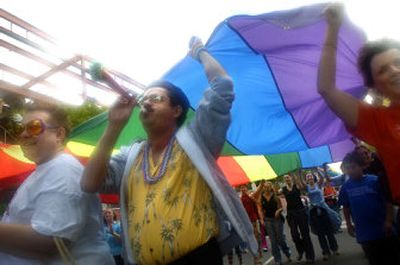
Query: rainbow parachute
pixel 279 121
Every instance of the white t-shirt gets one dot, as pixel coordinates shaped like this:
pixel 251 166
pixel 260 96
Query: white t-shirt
pixel 51 201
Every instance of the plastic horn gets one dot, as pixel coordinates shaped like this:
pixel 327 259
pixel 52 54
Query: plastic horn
pixel 99 73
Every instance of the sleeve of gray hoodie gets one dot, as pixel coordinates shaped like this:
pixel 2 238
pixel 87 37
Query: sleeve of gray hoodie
pixel 115 171
pixel 213 116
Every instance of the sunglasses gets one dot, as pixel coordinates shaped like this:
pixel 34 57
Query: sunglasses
pixel 152 98
pixel 34 127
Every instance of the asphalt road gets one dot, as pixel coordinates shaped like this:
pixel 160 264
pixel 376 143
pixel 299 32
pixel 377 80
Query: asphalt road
pixel 350 252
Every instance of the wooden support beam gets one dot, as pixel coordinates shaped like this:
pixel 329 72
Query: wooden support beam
pixel 49 73
pixel 31 49
pixel 8 87
pixel 22 74
pixel 25 25
pixel 47 63
pixel 120 75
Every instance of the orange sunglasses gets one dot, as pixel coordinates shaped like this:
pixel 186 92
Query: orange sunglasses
pixel 34 127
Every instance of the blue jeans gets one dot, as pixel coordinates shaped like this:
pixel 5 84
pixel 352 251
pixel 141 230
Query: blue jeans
pixel 274 229
pixel 322 226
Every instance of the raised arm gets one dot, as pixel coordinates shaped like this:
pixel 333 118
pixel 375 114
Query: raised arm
pixel 320 178
pixel 213 115
pixel 256 195
pixel 96 169
pixel 344 105
pixel 298 181
pixel 211 66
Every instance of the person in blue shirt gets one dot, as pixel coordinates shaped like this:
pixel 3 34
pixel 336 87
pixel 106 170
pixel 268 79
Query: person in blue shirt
pixel 324 221
pixel 112 234
pixel 364 204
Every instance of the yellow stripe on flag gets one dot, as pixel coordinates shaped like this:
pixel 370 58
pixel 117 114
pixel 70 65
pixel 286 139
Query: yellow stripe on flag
pixel 82 150
pixel 255 167
pixel 79 149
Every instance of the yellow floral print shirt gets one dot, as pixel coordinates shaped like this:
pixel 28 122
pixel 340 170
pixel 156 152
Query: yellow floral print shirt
pixel 171 217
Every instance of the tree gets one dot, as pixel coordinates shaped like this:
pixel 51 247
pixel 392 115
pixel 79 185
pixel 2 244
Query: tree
pixel 11 107
pixel 84 112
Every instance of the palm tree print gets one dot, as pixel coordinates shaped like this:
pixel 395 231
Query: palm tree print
pixel 149 201
pixel 149 198
pixel 177 225
pixel 167 236
pixel 196 215
pixel 175 201
pixel 167 193
pixel 187 183
pixel 136 243
pixel 137 248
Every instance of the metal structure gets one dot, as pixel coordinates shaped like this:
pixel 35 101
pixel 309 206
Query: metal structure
pixel 33 66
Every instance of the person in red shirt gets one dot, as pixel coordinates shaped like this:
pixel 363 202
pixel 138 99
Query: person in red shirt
pixel 250 205
pixel 330 195
pixel 379 126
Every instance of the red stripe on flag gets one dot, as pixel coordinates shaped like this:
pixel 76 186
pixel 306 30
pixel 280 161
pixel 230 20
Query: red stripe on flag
pixel 232 171
pixel 10 166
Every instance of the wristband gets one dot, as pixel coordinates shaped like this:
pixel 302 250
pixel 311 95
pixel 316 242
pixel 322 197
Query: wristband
pixel 196 53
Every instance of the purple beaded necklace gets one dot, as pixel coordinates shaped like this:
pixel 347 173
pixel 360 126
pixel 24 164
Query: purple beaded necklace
pixel 145 165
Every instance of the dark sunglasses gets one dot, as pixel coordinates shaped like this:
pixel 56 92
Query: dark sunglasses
pixel 34 127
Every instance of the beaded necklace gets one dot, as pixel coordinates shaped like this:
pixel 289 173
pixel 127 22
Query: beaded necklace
pixel 148 178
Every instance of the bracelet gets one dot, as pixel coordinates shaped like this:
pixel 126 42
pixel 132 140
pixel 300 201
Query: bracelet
pixel 196 54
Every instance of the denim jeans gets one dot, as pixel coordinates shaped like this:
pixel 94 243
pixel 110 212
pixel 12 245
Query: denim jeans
pixel 274 229
pixel 322 226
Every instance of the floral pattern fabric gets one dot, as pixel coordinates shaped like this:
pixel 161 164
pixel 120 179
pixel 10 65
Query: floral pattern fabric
pixel 178 208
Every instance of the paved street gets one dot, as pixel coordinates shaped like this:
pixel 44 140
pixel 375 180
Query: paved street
pixel 350 252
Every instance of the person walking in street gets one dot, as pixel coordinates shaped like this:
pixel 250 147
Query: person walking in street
pixel 324 221
pixel 297 217
pixel 270 207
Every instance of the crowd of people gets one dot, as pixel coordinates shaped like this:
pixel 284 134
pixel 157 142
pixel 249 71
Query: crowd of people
pixel 313 203
pixel 176 206
pixel 112 234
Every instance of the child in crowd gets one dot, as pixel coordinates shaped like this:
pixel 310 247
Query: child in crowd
pixel 364 203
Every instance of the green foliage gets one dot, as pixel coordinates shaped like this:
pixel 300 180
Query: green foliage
pixel 10 115
pixel 96 71
pixel 78 115
pixel 12 109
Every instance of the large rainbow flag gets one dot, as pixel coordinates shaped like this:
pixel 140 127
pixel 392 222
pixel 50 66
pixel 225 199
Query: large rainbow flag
pixel 279 122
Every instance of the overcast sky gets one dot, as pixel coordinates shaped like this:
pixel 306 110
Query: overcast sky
pixel 143 39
